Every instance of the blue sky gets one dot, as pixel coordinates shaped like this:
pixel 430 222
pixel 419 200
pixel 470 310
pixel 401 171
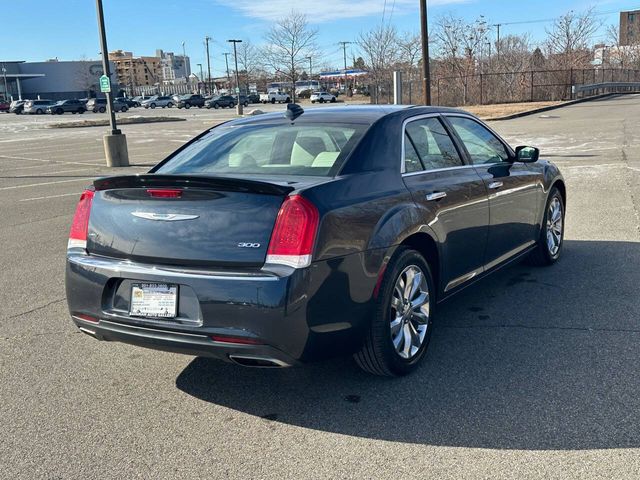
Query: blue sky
pixel 42 29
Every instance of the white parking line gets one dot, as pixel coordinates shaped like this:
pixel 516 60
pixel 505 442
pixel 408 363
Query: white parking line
pixel 13 187
pixel 9 157
pixel 49 196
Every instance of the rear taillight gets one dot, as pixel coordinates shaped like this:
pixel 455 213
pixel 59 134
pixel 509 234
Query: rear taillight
pixel 80 225
pixel 294 233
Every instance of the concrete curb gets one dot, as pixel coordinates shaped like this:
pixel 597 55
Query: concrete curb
pixel 552 107
pixel 121 121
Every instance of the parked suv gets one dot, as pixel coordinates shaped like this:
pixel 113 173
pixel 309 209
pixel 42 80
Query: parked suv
pixel 322 97
pixel 99 105
pixel 139 99
pixel 158 101
pixel 73 106
pixel 37 106
pixel 221 101
pixel 190 100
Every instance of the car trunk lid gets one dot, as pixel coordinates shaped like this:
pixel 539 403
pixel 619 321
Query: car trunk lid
pixel 184 220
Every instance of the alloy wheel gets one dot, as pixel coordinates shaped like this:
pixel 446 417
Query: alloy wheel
pixel 409 312
pixel 555 224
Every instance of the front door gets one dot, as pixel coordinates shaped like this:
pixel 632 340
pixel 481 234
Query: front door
pixel 514 189
pixel 452 195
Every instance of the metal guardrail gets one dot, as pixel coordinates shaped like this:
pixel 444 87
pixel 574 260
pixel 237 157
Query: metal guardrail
pixel 606 87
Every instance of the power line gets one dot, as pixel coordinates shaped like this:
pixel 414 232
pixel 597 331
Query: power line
pixel 384 9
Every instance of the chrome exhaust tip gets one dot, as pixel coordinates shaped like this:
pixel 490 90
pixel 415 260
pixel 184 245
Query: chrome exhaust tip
pixel 257 361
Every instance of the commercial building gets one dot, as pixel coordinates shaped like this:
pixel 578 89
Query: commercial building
pixel 53 80
pixel 136 71
pixel 630 28
pixel 146 71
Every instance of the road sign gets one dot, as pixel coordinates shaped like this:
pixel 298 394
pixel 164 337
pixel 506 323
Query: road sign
pixel 105 84
pixel 237 90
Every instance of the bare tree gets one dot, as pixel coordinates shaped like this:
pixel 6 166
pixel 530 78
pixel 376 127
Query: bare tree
pixel 380 51
pixel 459 45
pixel 249 64
pixel 288 43
pixel 87 75
pixel 623 56
pixel 411 52
pixel 569 37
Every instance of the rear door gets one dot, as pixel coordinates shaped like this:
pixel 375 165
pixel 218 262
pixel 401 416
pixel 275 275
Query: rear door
pixel 514 189
pixel 452 195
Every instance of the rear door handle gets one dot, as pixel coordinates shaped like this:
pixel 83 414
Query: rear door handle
pixel 494 185
pixel 436 196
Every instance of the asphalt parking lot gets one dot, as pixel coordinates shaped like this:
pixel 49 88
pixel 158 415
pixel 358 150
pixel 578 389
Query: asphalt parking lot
pixel 533 373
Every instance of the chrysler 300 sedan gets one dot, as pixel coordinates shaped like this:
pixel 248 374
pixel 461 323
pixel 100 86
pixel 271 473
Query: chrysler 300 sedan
pixel 285 238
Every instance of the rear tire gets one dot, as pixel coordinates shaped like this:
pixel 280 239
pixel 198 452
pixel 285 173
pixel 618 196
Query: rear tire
pixel 102 109
pixel 153 105
pixel 273 100
pixel 551 239
pixel 123 109
pixel 39 112
pixel 400 316
pixel 187 106
pixel 60 111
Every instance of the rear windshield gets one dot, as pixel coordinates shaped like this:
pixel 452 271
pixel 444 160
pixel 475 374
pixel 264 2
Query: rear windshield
pixel 285 149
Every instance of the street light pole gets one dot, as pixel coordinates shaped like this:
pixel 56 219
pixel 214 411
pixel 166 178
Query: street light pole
pixel 235 57
pixel 6 87
pixel 206 40
pixel 184 63
pixel 201 76
pixel 115 143
pixel 426 73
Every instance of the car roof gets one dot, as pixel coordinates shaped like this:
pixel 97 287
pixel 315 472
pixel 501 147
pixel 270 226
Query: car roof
pixel 367 114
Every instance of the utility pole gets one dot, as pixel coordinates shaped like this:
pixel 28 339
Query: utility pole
pixel 206 41
pixel 201 75
pixel 426 73
pixel 115 143
pixel 344 54
pixel 310 69
pixel 235 57
pixel 498 25
pixel 226 60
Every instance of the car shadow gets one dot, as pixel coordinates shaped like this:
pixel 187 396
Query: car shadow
pixel 530 358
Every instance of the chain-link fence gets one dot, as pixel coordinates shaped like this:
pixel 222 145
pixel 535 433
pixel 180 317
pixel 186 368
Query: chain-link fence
pixel 503 87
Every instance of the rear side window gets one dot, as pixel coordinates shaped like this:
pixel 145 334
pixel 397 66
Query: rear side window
pixel 284 149
pixel 428 146
pixel 483 146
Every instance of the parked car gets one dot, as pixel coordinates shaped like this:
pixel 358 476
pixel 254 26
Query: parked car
pixel 139 99
pixel 221 101
pixel 275 96
pixel 64 106
pixel 17 106
pixel 4 106
pixel 129 102
pixel 285 238
pixel 190 100
pixel 99 105
pixel 37 106
pixel 158 101
pixel 253 98
pixel 322 97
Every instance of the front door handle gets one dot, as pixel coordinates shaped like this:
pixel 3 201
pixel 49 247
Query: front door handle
pixel 494 185
pixel 436 196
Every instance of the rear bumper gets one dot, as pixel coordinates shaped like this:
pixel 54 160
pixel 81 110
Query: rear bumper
pixel 289 316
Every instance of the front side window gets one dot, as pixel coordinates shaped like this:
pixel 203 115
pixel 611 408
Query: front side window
pixel 267 149
pixel 428 146
pixel 483 146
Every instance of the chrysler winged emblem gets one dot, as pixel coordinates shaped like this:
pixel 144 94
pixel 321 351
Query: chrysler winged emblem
pixel 164 217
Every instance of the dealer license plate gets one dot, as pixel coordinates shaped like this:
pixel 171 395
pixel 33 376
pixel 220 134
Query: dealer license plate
pixel 159 300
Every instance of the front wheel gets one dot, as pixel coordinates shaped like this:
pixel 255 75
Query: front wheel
pixel 321 100
pixel 549 245
pixel 187 106
pixel 39 112
pixel 273 100
pixel 123 109
pixel 400 329
pixel 153 105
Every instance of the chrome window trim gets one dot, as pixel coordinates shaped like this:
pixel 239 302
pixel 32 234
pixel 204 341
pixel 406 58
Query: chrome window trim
pixel 480 122
pixel 403 172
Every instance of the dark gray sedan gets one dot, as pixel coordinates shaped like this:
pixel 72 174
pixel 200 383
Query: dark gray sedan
pixel 286 238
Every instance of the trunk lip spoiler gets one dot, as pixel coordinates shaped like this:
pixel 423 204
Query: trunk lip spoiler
pixel 191 181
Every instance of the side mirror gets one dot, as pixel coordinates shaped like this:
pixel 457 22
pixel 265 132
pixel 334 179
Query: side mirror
pixel 527 154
